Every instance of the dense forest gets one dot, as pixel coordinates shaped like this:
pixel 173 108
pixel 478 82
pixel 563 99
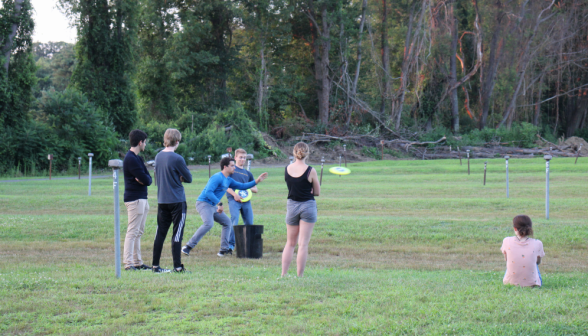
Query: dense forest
pixel 225 72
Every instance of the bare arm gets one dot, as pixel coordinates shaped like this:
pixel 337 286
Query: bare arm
pixel 538 260
pixel 313 178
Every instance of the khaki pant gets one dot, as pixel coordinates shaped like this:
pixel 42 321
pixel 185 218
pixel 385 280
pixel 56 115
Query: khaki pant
pixel 137 211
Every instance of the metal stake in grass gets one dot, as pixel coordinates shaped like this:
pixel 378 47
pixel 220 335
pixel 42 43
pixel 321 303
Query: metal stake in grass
pixel 507 157
pixel 249 157
pixel 485 164
pixel 291 159
pixel 459 155
pixel 322 164
pixel 578 154
pixel 468 152
pixel 116 165
pixel 345 154
pixel 547 159
pixel 79 167
pixel 90 155
pixel 50 158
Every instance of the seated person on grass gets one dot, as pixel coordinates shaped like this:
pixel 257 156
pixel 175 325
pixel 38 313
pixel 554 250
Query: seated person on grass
pixel 522 254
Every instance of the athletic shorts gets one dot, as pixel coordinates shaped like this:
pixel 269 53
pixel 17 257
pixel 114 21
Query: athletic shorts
pixel 297 211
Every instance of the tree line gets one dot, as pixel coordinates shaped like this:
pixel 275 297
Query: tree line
pixel 400 68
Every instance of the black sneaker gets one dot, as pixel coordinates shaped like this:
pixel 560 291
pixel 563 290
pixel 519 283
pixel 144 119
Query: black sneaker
pixel 180 270
pixel 131 268
pixel 186 250
pixel 143 267
pixel 223 253
pixel 160 270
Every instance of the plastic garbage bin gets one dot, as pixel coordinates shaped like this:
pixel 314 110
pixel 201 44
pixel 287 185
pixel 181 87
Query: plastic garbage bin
pixel 248 241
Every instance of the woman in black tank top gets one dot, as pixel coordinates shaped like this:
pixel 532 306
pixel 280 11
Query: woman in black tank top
pixel 301 215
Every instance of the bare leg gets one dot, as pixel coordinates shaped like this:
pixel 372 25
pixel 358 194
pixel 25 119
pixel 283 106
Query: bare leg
pixel 303 240
pixel 288 253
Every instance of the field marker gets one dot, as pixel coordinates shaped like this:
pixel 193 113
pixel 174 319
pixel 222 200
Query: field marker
pixel 209 166
pixel 547 159
pixel 322 163
pixel 468 152
pixel 116 165
pixel 485 163
pixel 50 158
pixel 578 154
pixel 507 157
pixel 345 154
pixel 79 167
pixel 90 155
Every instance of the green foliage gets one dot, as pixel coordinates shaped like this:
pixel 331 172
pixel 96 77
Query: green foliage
pixel 214 139
pixel 55 64
pixel 520 135
pixel 105 56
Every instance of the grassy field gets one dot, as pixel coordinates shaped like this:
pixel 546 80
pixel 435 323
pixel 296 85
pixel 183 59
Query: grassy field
pixel 400 248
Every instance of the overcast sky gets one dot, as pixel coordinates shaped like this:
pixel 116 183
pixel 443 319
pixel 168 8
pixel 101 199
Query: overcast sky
pixel 50 23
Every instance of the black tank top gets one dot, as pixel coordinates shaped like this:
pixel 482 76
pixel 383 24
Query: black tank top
pixel 298 187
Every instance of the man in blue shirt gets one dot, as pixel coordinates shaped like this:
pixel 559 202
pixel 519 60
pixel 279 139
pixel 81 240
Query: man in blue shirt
pixel 236 206
pixel 210 208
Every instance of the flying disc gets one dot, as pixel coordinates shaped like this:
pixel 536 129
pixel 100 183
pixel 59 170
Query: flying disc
pixel 245 195
pixel 340 171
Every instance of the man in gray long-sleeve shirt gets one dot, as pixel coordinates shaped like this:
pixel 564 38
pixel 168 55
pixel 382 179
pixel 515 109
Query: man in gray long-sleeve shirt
pixel 171 171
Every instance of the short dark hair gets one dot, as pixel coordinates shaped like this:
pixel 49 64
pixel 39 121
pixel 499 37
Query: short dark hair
pixel 523 225
pixel 137 136
pixel 226 162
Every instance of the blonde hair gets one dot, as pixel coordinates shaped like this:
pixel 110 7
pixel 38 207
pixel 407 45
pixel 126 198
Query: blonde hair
pixel 171 137
pixel 240 151
pixel 301 151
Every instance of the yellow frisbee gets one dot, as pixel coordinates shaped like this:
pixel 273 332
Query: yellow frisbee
pixel 340 171
pixel 244 194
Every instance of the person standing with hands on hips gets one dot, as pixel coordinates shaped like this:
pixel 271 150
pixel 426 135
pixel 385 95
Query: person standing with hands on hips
pixel 236 206
pixel 211 209
pixel 137 179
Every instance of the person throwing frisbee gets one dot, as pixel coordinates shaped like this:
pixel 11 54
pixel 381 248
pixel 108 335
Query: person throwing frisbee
pixel 211 209
pixel 301 214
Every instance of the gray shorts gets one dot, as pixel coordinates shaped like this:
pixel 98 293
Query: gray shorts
pixel 297 211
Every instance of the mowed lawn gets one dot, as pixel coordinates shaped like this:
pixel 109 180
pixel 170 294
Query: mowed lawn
pixel 400 248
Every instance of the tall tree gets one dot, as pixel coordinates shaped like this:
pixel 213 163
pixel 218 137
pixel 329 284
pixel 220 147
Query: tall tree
pixel 105 53
pixel 17 74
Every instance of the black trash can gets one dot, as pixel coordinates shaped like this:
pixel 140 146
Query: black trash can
pixel 248 241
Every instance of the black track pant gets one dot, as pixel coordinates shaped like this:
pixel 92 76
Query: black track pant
pixel 166 215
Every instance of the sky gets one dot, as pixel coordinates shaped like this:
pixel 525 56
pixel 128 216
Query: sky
pixel 50 23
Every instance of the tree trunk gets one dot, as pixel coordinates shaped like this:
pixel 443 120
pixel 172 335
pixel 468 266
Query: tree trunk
pixel 524 61
pixel 453 73
pixel 358 65
pixel 7 49
pixel 490 73
pixel 321 46
pixel 261 87
pixel 537 116
pixel 577 114
pixel 385 56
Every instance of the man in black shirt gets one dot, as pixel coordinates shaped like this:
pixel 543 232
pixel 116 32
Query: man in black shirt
pixel 137 178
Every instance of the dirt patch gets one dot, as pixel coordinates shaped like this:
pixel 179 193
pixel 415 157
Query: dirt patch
pixel 575 143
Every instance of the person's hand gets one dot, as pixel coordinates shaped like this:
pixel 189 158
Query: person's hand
pixel 136 179
pixel 182 178
pixel 261 178
pixel 237 197
pixel 219 209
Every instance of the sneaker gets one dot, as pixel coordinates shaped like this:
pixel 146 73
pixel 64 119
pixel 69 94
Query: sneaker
pixel 223 253
pixel 143 267
pixel 131 268
pixel 160 270
pixel 180 270
pixel 186 250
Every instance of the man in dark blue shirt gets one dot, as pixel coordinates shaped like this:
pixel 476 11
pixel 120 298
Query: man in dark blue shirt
pixel 137 178
pixel 236 205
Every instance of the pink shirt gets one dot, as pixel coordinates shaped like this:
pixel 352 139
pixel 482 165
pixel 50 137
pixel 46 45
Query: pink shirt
pixel 521 261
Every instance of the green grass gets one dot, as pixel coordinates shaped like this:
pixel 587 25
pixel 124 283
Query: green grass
pixel 400 248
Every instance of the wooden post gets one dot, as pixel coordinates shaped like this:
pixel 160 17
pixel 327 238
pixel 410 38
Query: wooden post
pixel 468 152
pixel 459 155
pixel 578 154
pixel 382 143
pixel 79 168
pixel 485 164
pixel 345 154
pixel 322 163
